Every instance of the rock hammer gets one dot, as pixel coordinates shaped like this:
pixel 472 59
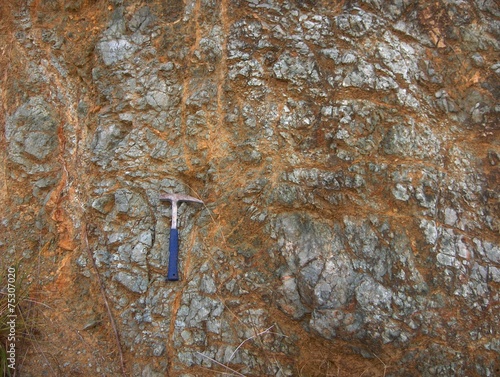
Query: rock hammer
pixel 173 248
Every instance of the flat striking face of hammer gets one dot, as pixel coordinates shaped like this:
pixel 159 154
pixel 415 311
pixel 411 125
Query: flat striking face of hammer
pixel 173 248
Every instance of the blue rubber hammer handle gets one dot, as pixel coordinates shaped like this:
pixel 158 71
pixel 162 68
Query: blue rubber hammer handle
pixel 173 257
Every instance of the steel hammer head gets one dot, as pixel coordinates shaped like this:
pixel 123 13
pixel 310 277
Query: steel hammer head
pixel 175 198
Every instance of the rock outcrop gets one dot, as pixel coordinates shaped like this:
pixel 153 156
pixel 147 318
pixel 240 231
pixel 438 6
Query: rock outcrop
pixel 347 153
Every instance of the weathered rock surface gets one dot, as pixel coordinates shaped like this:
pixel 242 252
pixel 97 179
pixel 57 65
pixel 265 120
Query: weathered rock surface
pixel 347 154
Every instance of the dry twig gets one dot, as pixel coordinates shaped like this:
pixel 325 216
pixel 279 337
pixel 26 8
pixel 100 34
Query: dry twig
pixel 222 365
pixel 103 293
pixel 246 340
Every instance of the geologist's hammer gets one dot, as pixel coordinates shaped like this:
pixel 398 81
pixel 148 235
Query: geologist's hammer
pixel 172 273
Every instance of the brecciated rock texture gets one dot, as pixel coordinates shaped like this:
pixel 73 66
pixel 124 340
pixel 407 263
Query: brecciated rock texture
pixel 347 153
